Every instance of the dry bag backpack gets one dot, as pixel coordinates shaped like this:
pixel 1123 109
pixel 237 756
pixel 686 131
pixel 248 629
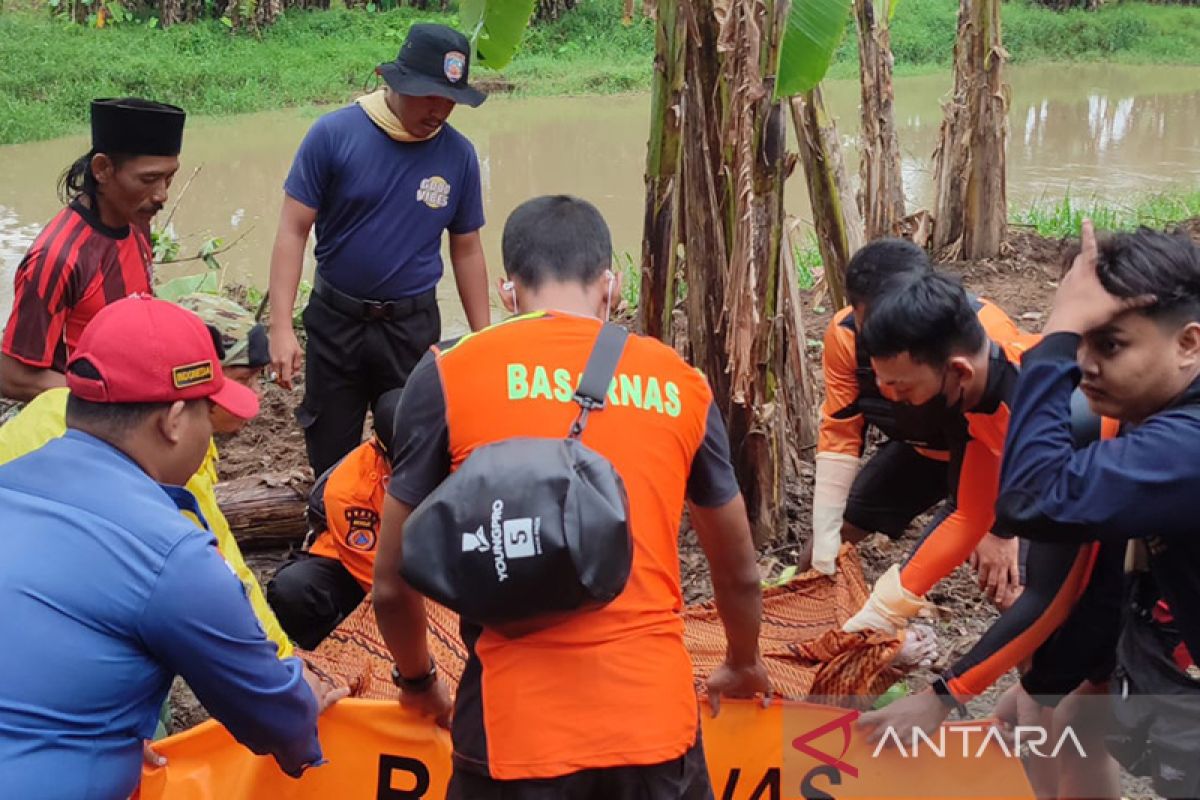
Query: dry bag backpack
pixel 528 526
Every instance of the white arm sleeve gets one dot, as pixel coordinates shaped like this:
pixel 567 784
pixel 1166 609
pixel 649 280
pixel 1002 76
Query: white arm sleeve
pixel 835 474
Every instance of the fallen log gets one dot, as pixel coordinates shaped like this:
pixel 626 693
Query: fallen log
pixel 265 511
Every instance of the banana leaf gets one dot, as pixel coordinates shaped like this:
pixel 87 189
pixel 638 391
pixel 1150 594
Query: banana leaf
pixel 814 31
pixel 495 28
pixel 206 282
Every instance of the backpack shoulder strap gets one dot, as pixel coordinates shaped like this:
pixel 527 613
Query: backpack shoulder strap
pixel 598 374
pixel 601 364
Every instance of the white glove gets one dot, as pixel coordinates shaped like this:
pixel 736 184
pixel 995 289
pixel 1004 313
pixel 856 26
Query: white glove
pixel 889 607
pixel 835 475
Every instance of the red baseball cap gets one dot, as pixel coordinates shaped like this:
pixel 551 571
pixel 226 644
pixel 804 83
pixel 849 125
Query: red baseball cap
pixel 151 351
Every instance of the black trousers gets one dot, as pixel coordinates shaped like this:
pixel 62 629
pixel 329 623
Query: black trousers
pixel 1156 705
pixel 683 778
pixel 355 353
pixel 311 595
pixel 895 486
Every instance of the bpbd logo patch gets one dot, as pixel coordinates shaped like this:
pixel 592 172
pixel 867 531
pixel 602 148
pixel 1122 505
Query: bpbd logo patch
pixel 454 65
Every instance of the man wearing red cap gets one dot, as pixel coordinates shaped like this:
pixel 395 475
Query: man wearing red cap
pixel 382 180
pixel 97 249
pixel 243 352
pixel 110 592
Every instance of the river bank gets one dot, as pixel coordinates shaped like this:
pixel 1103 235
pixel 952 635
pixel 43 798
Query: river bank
pixel 49 69
pixel 1108 136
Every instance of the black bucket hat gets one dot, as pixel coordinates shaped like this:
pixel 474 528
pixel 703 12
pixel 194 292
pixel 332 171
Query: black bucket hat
pixel 137 127
pixel 433 61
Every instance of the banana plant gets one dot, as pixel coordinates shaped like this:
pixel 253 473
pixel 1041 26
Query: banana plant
pixel 495 28
pixel 814 31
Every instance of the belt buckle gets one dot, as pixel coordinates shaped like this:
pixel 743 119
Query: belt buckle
pixel 379 309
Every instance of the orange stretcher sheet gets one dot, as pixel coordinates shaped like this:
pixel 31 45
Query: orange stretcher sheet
pixel 377 751
pixel 804 649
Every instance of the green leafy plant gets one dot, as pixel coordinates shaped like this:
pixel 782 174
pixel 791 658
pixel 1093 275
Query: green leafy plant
pixel 783 578
pixel 495 28
pixel 814 31
pixel 894 692
pixel 631 278
pixel 206 282
pixel 164 243
pixel 1063 218
pixel 808 262
pixel 208 252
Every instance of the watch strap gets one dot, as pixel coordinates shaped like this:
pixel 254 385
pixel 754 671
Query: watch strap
pixel 416 685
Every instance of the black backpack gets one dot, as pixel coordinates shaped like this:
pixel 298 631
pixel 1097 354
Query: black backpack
pixel 528 527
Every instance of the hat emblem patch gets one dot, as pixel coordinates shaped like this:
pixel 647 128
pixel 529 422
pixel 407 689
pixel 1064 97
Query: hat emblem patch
pixel 454 65
pixel 192 374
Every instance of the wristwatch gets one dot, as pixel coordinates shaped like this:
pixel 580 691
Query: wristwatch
pixel 415 685
pixel 947 698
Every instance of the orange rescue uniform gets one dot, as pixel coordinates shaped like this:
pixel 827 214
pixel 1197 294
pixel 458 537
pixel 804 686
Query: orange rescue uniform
pixel 353 499
pixel 609 687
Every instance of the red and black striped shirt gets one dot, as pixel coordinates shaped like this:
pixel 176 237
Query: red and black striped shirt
pixel 76 267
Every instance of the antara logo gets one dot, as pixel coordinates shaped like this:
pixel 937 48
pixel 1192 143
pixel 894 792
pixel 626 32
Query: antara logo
pixel 843 723
pixel 1026 738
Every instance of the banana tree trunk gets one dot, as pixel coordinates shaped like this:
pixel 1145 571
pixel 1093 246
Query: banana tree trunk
pixel 661 225
pixel 882 192
pixel 836 220
pixel 266 12
pixel 728 191
pixel 170 13
pixel 971 209
pixel 550 10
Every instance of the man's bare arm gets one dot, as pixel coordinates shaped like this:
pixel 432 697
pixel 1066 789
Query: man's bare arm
pixel 287 264
pixel 470 274
pixel 724 534
pixel 20 381
pixel 399 609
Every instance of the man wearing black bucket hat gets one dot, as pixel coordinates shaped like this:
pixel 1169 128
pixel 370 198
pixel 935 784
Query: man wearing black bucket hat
pixel 381 179
pixel 97 249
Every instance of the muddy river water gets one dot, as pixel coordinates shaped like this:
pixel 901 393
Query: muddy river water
pixel 1110 132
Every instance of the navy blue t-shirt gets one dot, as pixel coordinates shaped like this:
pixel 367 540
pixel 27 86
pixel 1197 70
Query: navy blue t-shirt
pixel 382 205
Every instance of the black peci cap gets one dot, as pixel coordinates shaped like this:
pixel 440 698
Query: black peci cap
pixel 137 127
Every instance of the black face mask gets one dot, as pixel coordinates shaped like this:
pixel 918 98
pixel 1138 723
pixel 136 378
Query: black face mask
pixel 924 423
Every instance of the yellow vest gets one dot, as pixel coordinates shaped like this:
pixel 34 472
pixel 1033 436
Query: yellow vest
pixel 45 418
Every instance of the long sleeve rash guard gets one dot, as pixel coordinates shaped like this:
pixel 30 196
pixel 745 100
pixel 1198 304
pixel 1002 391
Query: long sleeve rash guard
pixel 1141 485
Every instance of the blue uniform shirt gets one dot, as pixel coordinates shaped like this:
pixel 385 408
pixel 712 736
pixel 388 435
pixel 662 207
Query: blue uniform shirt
pixel 382 205
pixel 109 592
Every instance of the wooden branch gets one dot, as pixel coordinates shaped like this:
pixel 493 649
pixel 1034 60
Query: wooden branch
pixel 264 511
pixel 216 252
pixel 179 197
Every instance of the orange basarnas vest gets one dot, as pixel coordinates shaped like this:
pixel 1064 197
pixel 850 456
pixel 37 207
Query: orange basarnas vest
pixel 354 495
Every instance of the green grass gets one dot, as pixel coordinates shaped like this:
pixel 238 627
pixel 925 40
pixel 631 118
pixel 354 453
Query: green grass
pixel 923 33
pixel 807 257
pixel 50 69
pixel 1063 218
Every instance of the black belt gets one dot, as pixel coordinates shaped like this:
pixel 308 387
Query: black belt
pixel 371 310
